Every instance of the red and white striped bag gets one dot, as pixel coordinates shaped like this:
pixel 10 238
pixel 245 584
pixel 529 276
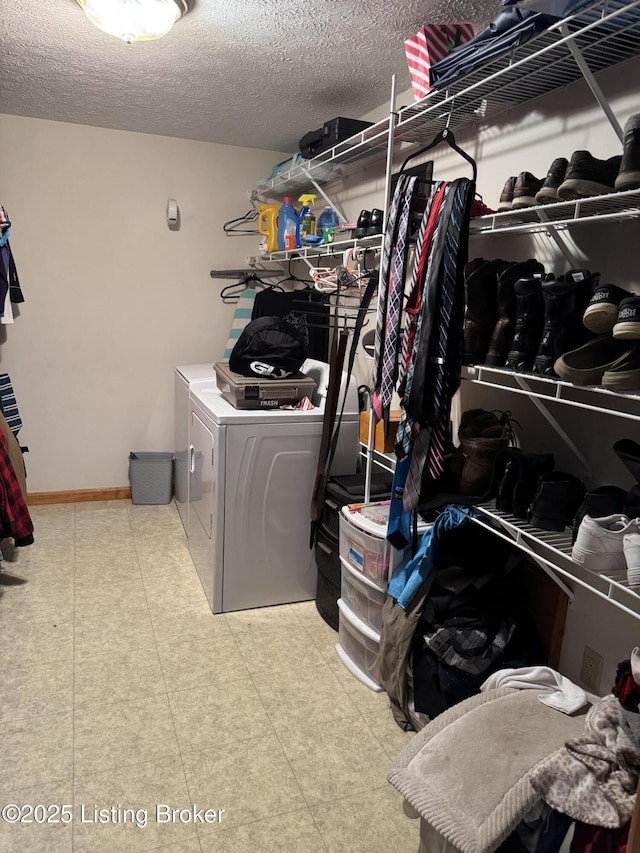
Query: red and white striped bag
pixel 429 45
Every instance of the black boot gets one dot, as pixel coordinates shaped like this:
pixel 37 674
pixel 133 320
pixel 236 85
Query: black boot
pixel 565 301
pixel 529 321
pixel 556 501
pixel 507 275
pixel 480 289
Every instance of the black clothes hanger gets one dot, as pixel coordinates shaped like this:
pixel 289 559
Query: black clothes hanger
pixel 447 136
pixel 231 292
pixel 291 277
pixel 232 227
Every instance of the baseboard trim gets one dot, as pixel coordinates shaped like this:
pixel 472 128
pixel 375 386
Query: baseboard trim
pixel 78 496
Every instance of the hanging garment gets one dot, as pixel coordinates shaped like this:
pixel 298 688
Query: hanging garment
pixel 241 317
pixel 8 404
pixel 308 310
pixel 15 521
pixel 15 455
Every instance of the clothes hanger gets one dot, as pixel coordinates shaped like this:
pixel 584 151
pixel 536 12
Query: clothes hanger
pixel 447 136
pixel 231 292
pixel 232 227
pixel 291 277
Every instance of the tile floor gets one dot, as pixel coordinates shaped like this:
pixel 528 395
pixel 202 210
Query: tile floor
pixel 120 690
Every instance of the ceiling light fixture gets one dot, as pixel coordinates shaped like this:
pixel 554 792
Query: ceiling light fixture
pixel 135 20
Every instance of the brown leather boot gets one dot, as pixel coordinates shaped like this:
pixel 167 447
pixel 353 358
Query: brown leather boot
pixel 480 454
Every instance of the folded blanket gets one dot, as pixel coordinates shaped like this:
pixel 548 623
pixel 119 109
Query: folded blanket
pixel 565 696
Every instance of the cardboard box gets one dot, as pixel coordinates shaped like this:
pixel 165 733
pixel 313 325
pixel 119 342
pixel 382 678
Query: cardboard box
pixel 379 442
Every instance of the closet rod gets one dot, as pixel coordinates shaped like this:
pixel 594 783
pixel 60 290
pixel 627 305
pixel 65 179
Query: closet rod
pixel 243 273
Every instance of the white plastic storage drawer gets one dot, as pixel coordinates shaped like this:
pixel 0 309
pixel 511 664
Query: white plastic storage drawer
pixel 358 647
pixel 362 596
pixel 366 551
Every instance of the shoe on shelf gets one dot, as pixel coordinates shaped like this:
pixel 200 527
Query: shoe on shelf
pixel 629 174
pixel 480 290
pixel 502 335
pixel 525 189
pixel 587 364
pixel 375 222
pixel 529 322
pixel 624 374
pixel 628 322
pixel 556 501
pixel 631 548
pixel 506 196
pixel 628 452
pixel 587 176
pixel 605 500
pixel 548 193
pixel 565 300
pixel 599 545
pixel 362 225
pixel 601 313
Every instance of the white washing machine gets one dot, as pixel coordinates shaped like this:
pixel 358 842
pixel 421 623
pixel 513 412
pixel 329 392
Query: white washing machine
pixel 250 485
pixel 186 377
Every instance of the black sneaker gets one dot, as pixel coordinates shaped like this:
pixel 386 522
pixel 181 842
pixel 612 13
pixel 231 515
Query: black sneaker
pixel 629 175
pixel 587 176
pixel 601 313
pixel 628 322
pixel 525 189
pixel 555 176
pixel 624 375
pixel 506 196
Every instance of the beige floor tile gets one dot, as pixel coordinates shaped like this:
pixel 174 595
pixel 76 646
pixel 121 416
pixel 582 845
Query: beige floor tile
pixel 102 527
pixel 218 714
pixel 179 589
pixel 302 696
pixel 34 689
pixel 182 847
pixel 376 712
pixel 165 526
pixel 268 652
pixel 243 622
pixel 104 599
pixel 186 625
pixel 139 789
pixel 117 676
pixel 306 612
pixel 186 666
pixel 38 601
pixel 158 557
pixel 54 527
pixel 36 750
pixel 113 632
pixel 91 507
pixel 250 779
pixel 324 638
pixel 370 822
pixel 123 733
pixel 54 835
pixel 115 568
pixel 335 759
pixel 46 565
pixel 294 831
pixel 40 642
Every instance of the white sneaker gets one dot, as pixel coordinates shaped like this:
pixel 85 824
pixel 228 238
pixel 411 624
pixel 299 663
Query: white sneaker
pixel 631 546
pixel 599 545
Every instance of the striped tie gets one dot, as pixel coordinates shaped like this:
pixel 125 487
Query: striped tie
pixel 9 405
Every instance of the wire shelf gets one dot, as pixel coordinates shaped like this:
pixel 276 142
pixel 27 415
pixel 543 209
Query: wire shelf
pixel 554 549
pixel 606 33
pixel 614 207
pixel 373 244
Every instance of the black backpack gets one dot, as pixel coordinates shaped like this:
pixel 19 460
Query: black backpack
pixel 270 348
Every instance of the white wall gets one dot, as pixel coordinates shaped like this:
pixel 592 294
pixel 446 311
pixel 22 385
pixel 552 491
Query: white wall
pixel 114 300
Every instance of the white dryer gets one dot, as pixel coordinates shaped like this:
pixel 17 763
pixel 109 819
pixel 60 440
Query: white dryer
pixel 250 485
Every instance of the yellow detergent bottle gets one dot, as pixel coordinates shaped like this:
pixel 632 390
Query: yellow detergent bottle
pixel 268 225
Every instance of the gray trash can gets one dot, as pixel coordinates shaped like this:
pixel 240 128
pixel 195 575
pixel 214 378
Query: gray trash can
pixel 151 477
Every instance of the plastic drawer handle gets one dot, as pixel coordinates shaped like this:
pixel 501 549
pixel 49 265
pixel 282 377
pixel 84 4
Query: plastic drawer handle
pixel 323 547
pixel 331 504
pixel 192 459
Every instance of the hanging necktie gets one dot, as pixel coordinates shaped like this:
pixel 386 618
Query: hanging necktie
pixel 395 291
pixel 8 404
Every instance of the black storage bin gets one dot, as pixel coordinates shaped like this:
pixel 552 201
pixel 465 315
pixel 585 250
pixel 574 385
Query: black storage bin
pixel 327 595
pixel 328 557
pixel 349 489
pixel 333 131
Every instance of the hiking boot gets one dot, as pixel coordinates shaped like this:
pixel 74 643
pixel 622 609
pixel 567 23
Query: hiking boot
pixel 502 336
pixel 587 176
pixel 556 501
pixel 548 193
pixel 624 374
pixel 628 322
pixel 602 311
pixel 525 189
pixel 565 300
pixel 588 364
pixel 506 196
pixel 516 476
pixel 629 174
pixel 529 320
pixel 599 545
pixel 482 435
pixel 480 288
pixel 605 500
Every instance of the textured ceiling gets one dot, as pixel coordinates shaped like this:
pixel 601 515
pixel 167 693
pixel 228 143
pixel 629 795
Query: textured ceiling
pixel 259 73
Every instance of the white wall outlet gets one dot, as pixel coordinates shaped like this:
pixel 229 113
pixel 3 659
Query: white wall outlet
pixel 591 670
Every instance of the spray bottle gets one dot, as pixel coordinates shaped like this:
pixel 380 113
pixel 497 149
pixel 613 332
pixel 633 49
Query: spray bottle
pixel 306 225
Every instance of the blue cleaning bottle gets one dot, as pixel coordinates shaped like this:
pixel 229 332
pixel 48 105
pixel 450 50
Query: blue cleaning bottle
pixel 287 222
pixel 327 225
